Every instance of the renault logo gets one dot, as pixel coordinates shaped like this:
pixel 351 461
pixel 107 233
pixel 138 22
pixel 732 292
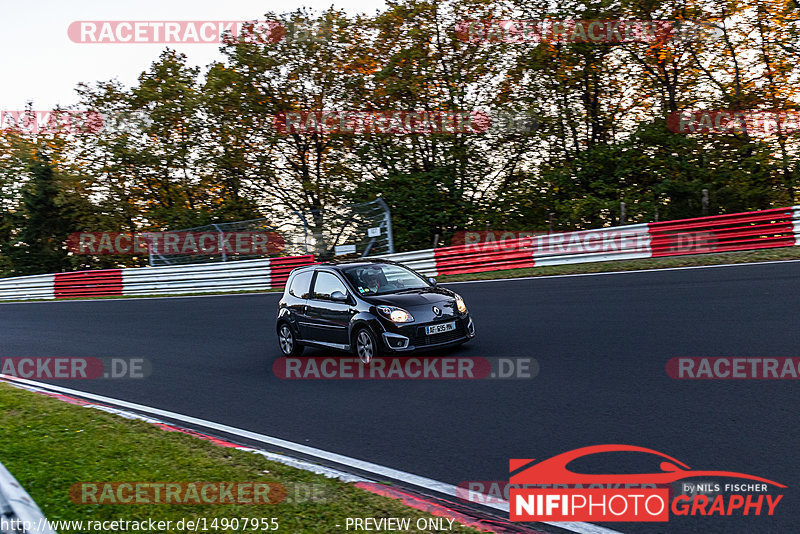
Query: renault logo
pixel 436 311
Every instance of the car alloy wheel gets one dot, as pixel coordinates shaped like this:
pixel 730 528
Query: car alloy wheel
pixel 365 346
pixel 288 343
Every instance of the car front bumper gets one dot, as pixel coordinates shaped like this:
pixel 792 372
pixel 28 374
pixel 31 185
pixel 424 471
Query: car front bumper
pixel 412 337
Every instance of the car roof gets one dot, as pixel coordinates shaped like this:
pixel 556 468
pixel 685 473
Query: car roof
pixel 346 263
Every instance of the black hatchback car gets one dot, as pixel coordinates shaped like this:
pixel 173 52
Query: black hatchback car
pixel 369 307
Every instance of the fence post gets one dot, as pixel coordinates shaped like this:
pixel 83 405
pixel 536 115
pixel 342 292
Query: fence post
pixel 150 252
pixel 622 213
pixel 221 241
pixel 305 230
pixel 387 218
pixel 704 202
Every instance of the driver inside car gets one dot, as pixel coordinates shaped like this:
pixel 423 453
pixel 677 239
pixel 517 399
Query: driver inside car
pixel 370 280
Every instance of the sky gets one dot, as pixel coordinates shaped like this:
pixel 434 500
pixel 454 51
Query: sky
pixel 41 64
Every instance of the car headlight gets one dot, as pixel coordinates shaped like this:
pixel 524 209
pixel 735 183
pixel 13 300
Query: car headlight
pixel 462 308
pixel 396 315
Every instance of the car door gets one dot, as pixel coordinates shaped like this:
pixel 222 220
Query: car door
pixel 297 299
pixel 328 320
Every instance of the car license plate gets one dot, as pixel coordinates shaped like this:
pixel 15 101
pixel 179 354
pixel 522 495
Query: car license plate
pixel 439 328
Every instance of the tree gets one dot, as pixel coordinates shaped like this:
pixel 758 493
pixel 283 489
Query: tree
pixel 309 71
pixel 423 205
pixel 43 222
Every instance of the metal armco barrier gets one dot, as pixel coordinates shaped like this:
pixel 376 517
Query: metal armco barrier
pixel 605 244
pixel 39 286
pixel 246 275
pixel 720 233
pixel 723 233
pixel 18 512
pixel 88 283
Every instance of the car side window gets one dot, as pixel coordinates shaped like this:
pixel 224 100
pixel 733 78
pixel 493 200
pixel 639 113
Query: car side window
pixel 326 284
pixel 300 285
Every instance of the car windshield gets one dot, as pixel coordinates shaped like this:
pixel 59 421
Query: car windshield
pixel 382 278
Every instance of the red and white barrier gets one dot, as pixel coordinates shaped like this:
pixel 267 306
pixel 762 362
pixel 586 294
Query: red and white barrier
pixel 250 275
pixel 98 283
pixel 726 233
pixel 246 275
pixel 720 233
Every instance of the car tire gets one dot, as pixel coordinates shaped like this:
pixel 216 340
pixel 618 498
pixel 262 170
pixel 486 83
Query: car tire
pixel 288 342
pixel 365 346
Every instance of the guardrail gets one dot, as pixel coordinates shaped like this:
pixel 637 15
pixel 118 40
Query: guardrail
pixel 725 233
pixel 19 514
pixel 245 275
pixel 39 286
pixel 720 233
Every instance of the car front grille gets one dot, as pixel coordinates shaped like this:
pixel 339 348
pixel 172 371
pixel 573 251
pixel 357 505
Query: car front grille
pixel 421 339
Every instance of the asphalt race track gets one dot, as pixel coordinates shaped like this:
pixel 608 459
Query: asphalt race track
pixel 601 342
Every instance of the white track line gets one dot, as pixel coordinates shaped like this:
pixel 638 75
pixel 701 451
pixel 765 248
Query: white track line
pixel 394 474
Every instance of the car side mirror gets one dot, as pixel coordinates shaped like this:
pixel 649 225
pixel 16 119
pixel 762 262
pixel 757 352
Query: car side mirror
pixel 338 296
pixel 432 281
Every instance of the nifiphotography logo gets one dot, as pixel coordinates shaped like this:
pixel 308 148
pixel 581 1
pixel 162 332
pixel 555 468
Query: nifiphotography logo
pixel 587 497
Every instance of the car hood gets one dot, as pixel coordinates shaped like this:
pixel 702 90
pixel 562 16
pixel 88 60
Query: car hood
pixel 420 303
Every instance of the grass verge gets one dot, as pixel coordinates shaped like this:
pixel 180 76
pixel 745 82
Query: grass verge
pixel 48 445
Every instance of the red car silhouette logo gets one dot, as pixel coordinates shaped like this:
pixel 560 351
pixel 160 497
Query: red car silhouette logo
pixel 554 470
